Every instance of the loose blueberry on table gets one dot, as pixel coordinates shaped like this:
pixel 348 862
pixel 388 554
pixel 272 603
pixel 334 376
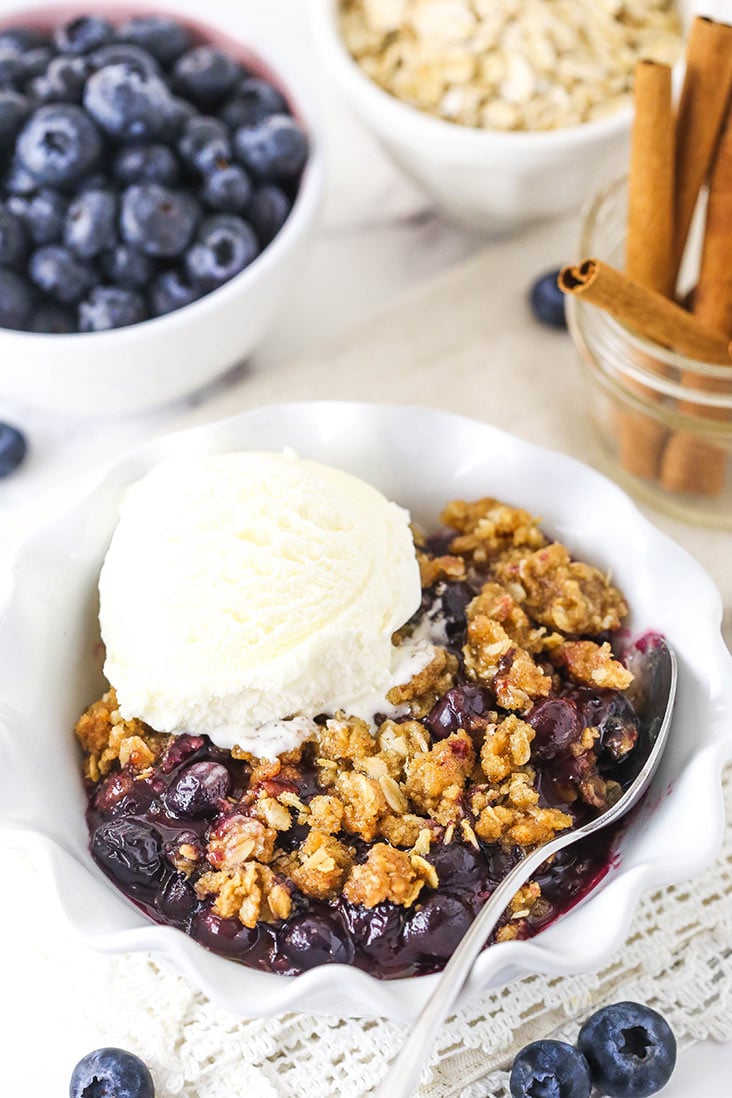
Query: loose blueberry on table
pixel 140 169
pixel 111 1073
pixel 630 1048
pixel 376 843
pixel 547 301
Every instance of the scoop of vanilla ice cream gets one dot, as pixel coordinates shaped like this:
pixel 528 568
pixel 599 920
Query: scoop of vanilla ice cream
pixel 241 589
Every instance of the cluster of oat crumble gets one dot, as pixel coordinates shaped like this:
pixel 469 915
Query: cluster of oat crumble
pixel 510 64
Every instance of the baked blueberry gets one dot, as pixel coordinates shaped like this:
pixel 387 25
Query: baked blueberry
pixel 131 851
pixel 126 103
pixel 124 53
pixel 378 929
pixel 550 1069
pixel 630 1048
pixel 547 301
pixel 13 239
pixel 63 81
pixel 274 149
pixel 557 724
pixel 224 247
pixel 203 142
pixel 51 319
pixel 157 220
pixel 196 791
pixel 59 144
pixel 465 706
pixel 434 928
pixel 206 75
pixel 126 266
pixel 109 307
pixel 16 301
pixel 226 936
pixel 83 34
pixel 60 274
pixel 253 101
pixel 13 447
pixel 146 163
pixel 176 901
pixel 268 210
pixel 166 39
pixel 111 1073
pixel 227 188
pixel 91 223
pixel 14 109
pixel 171 290
pixel 43 213
pixel 460 868
pixel 312 940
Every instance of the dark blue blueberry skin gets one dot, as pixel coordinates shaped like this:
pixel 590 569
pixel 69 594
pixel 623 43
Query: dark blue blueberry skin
pixel 204 142
pixel 227 188
pixel 63 81
pixel 109 307
pixel 11 66
pixel 630 1048
pixel 225 246
pixel 18 180
pixel 124 53
pixel 60 274
pixel 16 301
pixel 22 38
pixel 171 290
pixel 13 448
pixel 125 266
pixel 274 150
pixel 206 75
pixel 146 163
pixel 547 301
pixel 158 221
pixel 88 32
pixel 550 1069
pixel 91 223
pixel 164 38
pixel 268 211
pixel 59 144
pixel 14 109
pixel 126 103
pixel 13 239
pixel 311 940
pixel 434 929
pixel 36 61
pixel 111 1073
pixel 196 791
pixel 131 851
pixel 43 214
pixel 51 319
pixel 254 101
pixel 179 115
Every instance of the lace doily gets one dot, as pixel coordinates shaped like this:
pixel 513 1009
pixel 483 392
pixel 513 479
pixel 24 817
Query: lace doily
pixel 678 959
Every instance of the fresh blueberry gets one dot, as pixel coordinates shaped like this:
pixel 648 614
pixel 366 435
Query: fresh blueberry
pixel 196 791
pixel 36 61
pixel 51 319
pixel 14 109
pixel 206 75
pixel 434 929
pixel 13 448
pixel 550 1069
pixel 126 103
pixel 203 143
pixel 274 149
pixel 13 239
pixel 111 1073
pixel 22 39
pixel 146 163
pixel 547 301
pixel 124 53
pixel 630 1048
pixel 268 210
pixel 91 223
pixel 171 290
pixel 18 180
pixel 16 301
pixel 225 246
pixel 179 115
pixel 254 100
pixel 312 940
pixel 158 221
pixel 127 267
pixel 59 144
pixel 109 307
pixel 465 706
pixel 131 851
pixel 60 274
pixel 43 214
pixel 11 66
pixel 84 34
pixel 63 81
pixel 166 39
pixel 227 188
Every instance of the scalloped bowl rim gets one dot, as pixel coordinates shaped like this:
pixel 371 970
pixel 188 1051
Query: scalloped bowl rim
pixel 563 948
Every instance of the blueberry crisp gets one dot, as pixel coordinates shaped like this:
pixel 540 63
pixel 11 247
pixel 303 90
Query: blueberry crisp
pixel 375 842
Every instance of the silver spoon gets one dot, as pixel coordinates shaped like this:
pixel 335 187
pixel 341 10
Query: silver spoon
pixel 654 688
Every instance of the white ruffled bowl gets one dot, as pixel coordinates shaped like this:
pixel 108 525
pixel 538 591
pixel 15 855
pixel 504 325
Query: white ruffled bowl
pixel 50 659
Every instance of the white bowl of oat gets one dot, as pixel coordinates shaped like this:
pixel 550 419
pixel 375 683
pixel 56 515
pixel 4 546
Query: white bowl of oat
pixel 505 111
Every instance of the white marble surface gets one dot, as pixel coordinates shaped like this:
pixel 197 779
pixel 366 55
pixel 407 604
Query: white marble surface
pixel 379 237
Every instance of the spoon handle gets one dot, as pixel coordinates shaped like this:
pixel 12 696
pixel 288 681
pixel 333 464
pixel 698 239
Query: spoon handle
pixel 404 1073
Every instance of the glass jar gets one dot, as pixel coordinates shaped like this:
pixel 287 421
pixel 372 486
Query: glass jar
pixel 664 421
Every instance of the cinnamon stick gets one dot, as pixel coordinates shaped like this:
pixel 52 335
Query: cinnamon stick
pixel 644 311
pixel 704 97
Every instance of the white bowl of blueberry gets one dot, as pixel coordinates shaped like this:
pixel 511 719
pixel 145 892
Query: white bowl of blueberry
pixel 158 187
